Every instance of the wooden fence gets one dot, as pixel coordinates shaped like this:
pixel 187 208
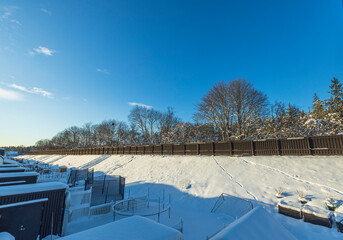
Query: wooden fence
pixel 325 145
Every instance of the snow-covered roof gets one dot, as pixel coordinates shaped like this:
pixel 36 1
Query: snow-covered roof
pixel 258 224
pixel 3 169
pixel 8 153
pixel 131 228
pixel 27 188
pixel 18 174
pixel 9 165
pixel 7 160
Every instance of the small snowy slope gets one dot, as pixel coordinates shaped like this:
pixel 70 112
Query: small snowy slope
pixel 262 176
pixel 75 161
pixel 258 224
pixel 112 163
pixel 318 169
pixel 205 179
pixel 95 161
pixel 132 228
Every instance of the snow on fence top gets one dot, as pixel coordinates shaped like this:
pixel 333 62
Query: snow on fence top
pixel 28 188
pixel 23 203
pixel 131 228
pixel 258 224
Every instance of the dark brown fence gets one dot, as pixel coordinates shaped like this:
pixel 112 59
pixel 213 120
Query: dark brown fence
pixel 325 145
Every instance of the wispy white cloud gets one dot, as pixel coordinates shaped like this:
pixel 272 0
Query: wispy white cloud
pixel 66 98
pixel 102 70
pixel 140 105
pixel 34 90
pixel 42 50
pixel 6 13
pixel 15 21
pixel 46 11
pixel 42 92
pixel 10 95
pixel 21 88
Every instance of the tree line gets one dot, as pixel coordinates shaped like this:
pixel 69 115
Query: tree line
pixel 230 110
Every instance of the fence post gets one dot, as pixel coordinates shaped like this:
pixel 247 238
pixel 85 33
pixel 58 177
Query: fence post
pixel 172 149
pixel 198 148
pixel 161 149
pixel 309 146
pixel 252 148
pixel 213 149
pixel 278 144
pixel 231 148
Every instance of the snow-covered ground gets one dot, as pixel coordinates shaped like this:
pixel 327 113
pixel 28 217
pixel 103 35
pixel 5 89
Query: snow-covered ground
pixel 254 178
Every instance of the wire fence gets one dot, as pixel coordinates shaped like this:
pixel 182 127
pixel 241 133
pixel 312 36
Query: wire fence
pixel 107 188
pixel 142 206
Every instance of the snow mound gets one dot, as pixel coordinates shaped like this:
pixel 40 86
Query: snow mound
pixel 258 224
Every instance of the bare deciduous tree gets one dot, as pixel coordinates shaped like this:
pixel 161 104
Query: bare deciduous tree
pixel 215 108
pixel 146 119
pixel 167 123
pixel 247 104
pixel 232 105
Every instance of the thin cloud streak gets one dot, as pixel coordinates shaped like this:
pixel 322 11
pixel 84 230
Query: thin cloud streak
pixel 105 71
pixel 10 95
pixel 46 11
pixel 42 50
pixel 140 105
pixel 6 16
pixel 16 22
pixel 34 90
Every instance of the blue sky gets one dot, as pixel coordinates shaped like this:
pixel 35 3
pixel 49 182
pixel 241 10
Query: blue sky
pixel 66 62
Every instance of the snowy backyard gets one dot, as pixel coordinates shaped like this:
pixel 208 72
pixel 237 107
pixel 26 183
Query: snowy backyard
pixel 196 182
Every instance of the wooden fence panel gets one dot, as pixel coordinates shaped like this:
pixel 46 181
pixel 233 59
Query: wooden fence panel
pixel 266 147
pixel 158 149
pixel 120 150
pixel 167 149
pixel 149 150
pixel 295 146
pixel 205 149
pixel 140 150
pixel 223 148
pixel 191 149
pixel 179 149
pixel 127 150
pixel 328 145
pixel 242 148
